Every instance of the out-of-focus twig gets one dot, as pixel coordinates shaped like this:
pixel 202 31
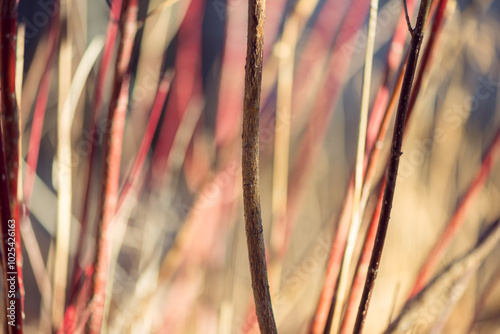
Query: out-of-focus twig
pixel 356 213
pixel 64 168
pixel 96 135
pixel 459 216
pixel 421 313
pixel 113 150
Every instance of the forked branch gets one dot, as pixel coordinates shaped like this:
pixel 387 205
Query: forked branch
pixel 392 172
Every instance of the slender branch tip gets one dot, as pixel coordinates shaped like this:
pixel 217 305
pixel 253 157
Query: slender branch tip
pixel 407 17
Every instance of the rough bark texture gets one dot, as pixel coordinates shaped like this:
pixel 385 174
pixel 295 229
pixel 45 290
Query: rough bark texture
pixel 250 167
pixel 417 35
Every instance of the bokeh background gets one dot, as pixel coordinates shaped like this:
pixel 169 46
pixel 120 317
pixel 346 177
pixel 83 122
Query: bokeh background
pixel 178 259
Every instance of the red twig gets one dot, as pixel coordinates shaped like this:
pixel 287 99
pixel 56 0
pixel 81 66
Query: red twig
pixel 333 266
pixel 140 159
pixel 326 28
pixel 459 216
pixel 379 124
pixel 115 16
pixel 362 267
pixel 232 79
pixel 187 82
pixel 113 150
pixel 338 245
pixel 426 57
pixel 322 113
pixel 10 165
pixel 40 107
pixel 375 152
pixel 376 132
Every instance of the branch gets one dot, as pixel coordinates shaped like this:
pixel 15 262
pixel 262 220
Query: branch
pixel 250 167
pixel 407 17
pixel 113 151
pixel 9 168
pixel 392 171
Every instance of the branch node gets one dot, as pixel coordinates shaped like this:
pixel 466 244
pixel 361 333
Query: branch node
pixel 408 18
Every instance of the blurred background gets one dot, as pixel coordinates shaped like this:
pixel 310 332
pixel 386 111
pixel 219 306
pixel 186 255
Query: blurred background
pixel 178 258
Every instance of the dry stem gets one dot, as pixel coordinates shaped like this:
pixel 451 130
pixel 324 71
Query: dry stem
pixel 397 140
pixel 250 165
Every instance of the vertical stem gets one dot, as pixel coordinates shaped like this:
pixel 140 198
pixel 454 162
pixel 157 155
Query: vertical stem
pixel 9 115
pixel 392 171
pixel 64 174
pixel 100 87
pixel 10 281
pixel 112 150
pixel 104 70
pixel 282 132
pixel 250 167
pixel 9 166
pixel 357 213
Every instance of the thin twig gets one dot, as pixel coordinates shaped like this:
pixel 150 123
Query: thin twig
pixel 453 226
pixel 65 122
pixel 21 31
pixel 40 108
pixel 95 134
pixel 64 170
pixel 281 158
pixel 113 150
pixel 250 167
pixel 423 312
pixel 322 113
pixel 374 154
pixel 362 265
pixel 428 52
pixel 140 159
pixel 380 116
pixel 356 213
pixel 407 17
pixel 185 85
pixel 397 141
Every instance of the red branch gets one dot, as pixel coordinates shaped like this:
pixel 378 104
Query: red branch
pixel 113 151
pixel 322 114
pixel 115 16
pixel 140 159
pixel 187 82
pixel 380 117
pixel 10 163
pixel 362 266
pixel 41 107
pixel 458 218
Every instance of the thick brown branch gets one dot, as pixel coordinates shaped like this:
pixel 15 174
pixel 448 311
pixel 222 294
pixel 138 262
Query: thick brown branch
pixel 250 167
